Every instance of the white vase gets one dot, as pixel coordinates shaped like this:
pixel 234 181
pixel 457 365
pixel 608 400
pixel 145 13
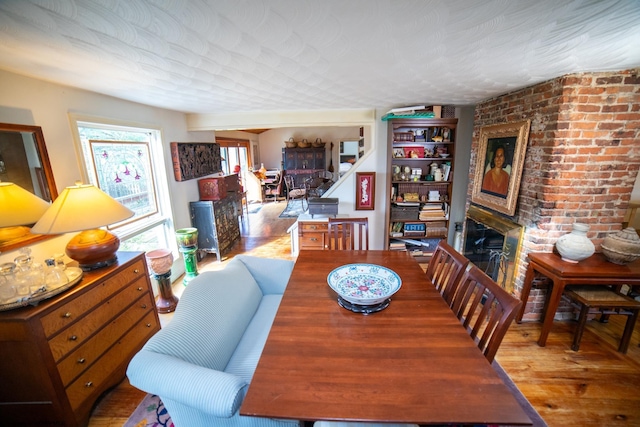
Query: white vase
pixel 575 246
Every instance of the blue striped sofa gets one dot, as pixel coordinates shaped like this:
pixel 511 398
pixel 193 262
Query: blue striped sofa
pixel 202 362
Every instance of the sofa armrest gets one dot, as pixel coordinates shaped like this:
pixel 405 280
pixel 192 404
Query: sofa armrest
pixel 214 392
pixel 272 275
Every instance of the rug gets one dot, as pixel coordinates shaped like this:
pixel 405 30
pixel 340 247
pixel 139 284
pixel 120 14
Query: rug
pixel 150 413
pixel 294 209
pixel 254 208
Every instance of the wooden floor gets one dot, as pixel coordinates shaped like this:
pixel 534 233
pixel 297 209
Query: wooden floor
pixel 596 386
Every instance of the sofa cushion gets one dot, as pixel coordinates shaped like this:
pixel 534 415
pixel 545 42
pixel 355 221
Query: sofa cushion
pixel 272 275
pixel 212 315
pixel 245 359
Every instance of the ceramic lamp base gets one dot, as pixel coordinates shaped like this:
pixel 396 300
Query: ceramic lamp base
pixel 93 249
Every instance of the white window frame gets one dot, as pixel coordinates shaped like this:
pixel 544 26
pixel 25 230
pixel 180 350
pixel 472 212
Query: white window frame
pixel 164 215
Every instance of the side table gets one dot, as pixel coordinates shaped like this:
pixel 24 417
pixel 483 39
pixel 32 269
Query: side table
pixel 595 271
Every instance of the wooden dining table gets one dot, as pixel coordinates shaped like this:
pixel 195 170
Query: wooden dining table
pixel 412 362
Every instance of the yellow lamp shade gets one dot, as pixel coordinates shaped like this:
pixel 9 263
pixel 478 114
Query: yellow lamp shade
pixel 85 208
pixel 18 206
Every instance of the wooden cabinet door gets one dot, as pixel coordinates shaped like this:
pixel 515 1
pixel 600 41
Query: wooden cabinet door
pixel 290 159
pixel 319 159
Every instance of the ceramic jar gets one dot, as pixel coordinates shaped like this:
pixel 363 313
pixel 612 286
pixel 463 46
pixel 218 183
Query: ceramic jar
pixel 622 247
pixel 575 246
pixel 187 237
pixel 159 261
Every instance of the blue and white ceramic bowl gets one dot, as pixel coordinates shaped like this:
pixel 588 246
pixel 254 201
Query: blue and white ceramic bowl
pixel 364 284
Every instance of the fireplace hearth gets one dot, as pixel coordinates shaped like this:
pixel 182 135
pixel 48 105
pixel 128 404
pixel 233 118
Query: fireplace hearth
pixel 493 243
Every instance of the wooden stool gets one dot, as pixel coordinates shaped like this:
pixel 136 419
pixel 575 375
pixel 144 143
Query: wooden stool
pixel 603 301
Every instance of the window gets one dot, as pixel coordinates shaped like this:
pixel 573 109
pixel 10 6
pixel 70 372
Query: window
pixel 234 152
pixel 127 163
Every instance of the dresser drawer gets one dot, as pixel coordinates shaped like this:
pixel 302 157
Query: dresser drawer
pixel 69 312
pixel 312 241
pixel 80 331
pixel 85 355
pixel 312 226
pixel 86 387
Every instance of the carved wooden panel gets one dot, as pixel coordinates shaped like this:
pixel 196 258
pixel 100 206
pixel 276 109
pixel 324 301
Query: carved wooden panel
pixel 195 159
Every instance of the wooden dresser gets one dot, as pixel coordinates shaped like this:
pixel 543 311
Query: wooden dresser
pixel 310 233
pixel 58 357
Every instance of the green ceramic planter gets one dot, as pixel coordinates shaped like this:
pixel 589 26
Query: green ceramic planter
pixel 187 237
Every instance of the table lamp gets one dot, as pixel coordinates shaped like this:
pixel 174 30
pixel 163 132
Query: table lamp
pixel 85 208
pixel 19 207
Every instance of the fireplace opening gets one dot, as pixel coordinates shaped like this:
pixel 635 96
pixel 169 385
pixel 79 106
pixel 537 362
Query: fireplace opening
pixel 492 243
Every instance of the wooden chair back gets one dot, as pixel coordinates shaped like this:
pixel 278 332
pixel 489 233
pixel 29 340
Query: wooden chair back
pixel 485 310
pixel 445 268
pixel 348 234
pixel 292 191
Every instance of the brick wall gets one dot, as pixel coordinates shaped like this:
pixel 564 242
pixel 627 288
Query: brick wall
pixel 581 161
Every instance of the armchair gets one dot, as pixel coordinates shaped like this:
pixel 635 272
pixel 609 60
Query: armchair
pixel 294 193
pixel 274 190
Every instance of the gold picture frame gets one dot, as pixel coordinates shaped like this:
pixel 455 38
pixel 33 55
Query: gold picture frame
pixel 499 165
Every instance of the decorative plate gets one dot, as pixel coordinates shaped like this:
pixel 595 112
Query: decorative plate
pixel 364 284
pixel 74 275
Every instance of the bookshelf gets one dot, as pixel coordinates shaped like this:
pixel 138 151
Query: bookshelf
pixel 420 179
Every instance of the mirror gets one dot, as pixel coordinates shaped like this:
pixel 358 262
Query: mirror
pixel 25 162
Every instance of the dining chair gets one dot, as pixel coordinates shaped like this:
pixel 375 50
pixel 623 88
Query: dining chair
pixel 348 234
pixel 485 310
pixel 294 193
pixel 445 269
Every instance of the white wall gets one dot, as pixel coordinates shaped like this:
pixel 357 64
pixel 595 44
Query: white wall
pixel 28 101
pixel 272 141
pixel 34 102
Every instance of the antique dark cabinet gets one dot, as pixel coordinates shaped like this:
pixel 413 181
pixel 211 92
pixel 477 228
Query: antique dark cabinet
pixel 302 163
pixel 59 356
pixel 217 224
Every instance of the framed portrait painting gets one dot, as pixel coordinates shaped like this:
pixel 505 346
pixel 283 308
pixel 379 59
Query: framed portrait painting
pixel 499 165
pixel 365 191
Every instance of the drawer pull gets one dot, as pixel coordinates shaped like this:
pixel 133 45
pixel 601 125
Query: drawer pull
pixel 144 305
pixel 82 360
pixel 136 271
pixel 313 227
pixel 73 338
pixel 89 384
pixel 148 325
pixel 314 239
pixel 139 288
pixel 66 315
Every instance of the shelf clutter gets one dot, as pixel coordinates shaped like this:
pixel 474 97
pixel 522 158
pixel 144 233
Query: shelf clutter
pixel 420 169
pixel 415 247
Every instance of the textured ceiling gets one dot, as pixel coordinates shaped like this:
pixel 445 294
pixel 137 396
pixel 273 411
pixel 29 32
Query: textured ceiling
pixel 214 56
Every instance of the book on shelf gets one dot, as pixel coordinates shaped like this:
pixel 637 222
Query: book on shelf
pixel 431 207
pixel 446 169
pixel 438 216
pixel 413 242
pixel 437 224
